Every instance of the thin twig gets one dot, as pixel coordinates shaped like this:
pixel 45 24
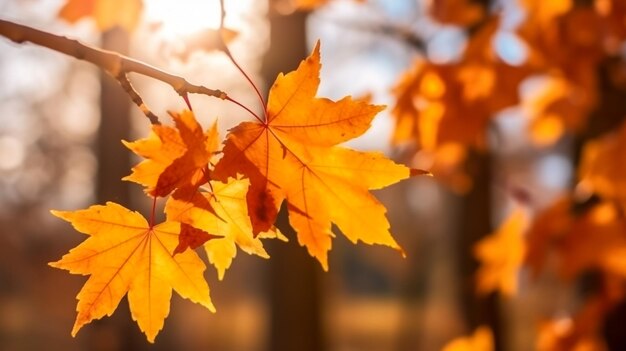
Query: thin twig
pixel 222 14
pixel 112 62
pixel 136 98
pixel 391 30
pixel 232 59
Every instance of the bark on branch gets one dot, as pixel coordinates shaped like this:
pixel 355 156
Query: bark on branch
pixel 115 64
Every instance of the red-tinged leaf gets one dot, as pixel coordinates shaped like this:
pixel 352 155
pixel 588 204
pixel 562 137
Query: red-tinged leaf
pixel 223 213
pixel 191 237
pixel 176 158
pixel 295 155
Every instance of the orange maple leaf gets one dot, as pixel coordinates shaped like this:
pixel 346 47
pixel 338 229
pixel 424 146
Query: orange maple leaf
pixel 313 4
pixel 223 213
pixel 548 226
pixel 593 239
pixel 481 340
pixel 603 166
pixel 456 102
pixel 581 332
pixel 457 12
pixel 124 254
pixel 501 255
pixel 294 155
pixel 176 158
pixel 597 239
pixel 106 13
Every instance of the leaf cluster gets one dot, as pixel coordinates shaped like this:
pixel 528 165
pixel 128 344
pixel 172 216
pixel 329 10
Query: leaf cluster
pixel 224 196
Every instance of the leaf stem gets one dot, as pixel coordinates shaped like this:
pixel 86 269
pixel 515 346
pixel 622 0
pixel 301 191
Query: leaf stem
pixel 228 98
pixel 241 70
pixel 153 212
pixel 185 97
pixel 116 64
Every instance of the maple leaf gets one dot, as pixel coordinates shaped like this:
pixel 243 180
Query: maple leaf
pixel 313 4
pixel 597 240
pixel 175 157
pixel 602 169
pixel 457 12
pixel 455 103
pixel 501 255
pixel 294 156
pixel 223 213
pixel 124 254
pixel 593 239
pixel 580 332
pixel 106 13
pixel 547 227
pixel 554 32
pixel 481 340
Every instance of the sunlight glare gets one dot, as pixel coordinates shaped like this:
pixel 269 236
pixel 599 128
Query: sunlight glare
pixel 183 17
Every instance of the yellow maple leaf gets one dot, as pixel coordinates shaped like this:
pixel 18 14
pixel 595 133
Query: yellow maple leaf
pixel 501 255
pixel 125 255
pixel 223 212
pixel 106 13
pixel 294 156
pixel 481 340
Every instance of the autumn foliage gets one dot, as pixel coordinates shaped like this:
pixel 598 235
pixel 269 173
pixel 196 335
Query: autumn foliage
pixel 448 110
pixel 225 198
pixel 223 195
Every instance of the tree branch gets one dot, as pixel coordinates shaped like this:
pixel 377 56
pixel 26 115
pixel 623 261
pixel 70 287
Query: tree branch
pixel 136 98
pixel 391 30
pixel 117 65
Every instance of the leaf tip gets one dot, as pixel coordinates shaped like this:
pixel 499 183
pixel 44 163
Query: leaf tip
pixel 324 262
pixel 401 251
pixel 413 172
pixel 209 305
pixel 77 326
pixel 64 215
pixel 316 49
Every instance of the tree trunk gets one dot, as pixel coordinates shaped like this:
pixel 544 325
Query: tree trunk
pixel 475 224
pixel 296 322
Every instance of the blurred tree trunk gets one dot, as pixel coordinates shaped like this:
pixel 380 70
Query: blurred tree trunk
pixel 607 117
pixel 475 223
pixel 113 158
pixel 296 322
